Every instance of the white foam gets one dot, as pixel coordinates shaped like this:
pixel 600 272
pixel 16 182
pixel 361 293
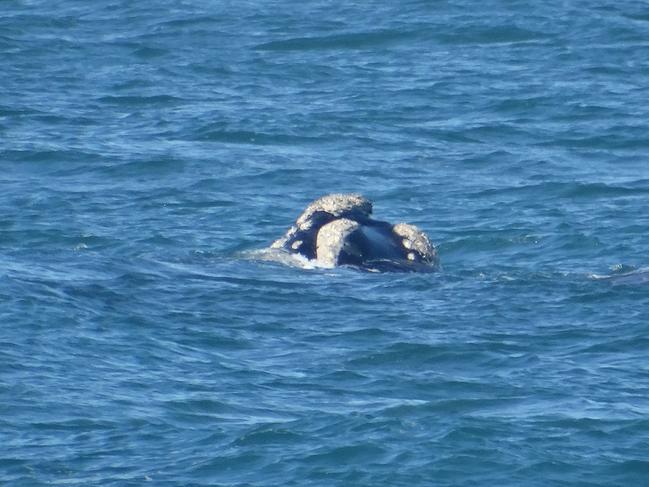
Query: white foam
pixel 282 257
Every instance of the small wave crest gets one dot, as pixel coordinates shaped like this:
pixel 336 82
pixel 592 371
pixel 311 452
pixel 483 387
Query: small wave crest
pixel 281 257
pixel 624 276
pixel 299 261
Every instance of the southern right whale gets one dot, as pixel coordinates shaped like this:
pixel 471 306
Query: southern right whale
pixel 337 229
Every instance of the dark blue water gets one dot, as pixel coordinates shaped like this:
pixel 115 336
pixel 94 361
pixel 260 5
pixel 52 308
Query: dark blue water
pixel 149 148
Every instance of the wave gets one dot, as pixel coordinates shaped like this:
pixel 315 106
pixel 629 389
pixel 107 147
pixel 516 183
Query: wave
pixel 356 40
pixel 630 278
pixel 553 189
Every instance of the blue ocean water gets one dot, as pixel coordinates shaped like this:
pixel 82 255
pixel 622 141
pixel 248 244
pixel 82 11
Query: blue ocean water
pixel 149 148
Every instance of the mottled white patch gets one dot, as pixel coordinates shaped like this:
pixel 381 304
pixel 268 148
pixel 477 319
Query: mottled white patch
pixel 280 242
pixel 331 239
pixel 338 205
pixel 418 241
pixel 296 245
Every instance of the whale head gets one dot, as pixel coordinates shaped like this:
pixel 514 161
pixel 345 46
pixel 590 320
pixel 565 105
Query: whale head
pixel 337 229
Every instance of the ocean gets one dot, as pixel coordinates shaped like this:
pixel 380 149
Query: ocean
pixel 150 150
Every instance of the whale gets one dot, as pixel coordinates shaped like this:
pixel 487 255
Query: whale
pixel 338 230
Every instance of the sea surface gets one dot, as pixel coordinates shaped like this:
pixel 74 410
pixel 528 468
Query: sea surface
pixel 149 150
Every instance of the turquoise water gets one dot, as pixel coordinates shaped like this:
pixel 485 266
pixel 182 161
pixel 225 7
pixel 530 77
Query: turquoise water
pixel 149 149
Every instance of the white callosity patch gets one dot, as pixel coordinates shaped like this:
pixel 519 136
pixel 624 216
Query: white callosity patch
pixel 338 205
pixel 331 240
pixel 280 242
pixel 416 241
